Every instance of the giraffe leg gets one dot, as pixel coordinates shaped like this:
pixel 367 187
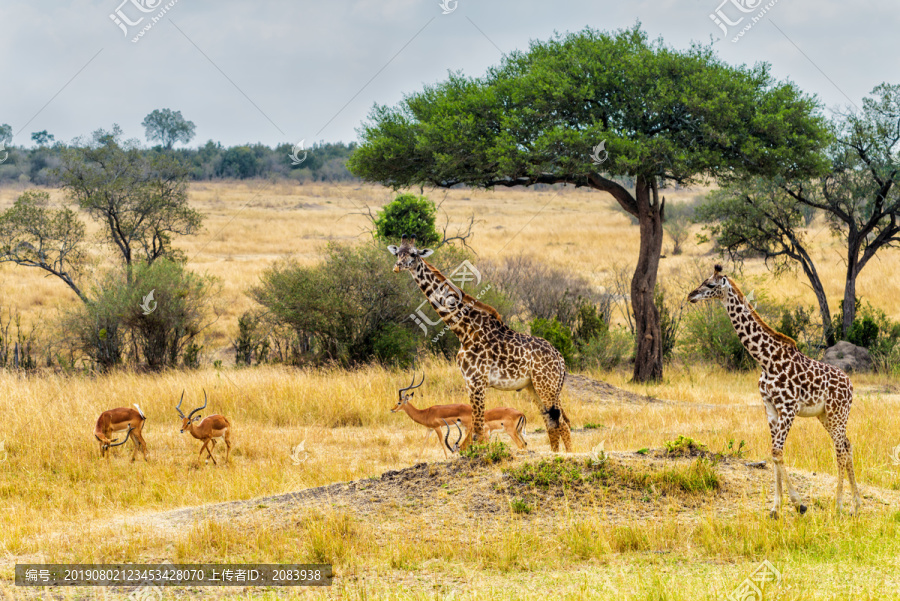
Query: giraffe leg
pixel 545 391
pixel 779 426
pixel 476 399
pixel 851 476
pixel 844 456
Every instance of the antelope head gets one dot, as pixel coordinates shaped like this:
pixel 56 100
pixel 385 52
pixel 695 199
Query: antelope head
pixel 404 398
pixel 110 444
pixel 187 421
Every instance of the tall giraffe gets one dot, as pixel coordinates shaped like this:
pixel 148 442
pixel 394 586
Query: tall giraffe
pixel 792 385
pixel 490 354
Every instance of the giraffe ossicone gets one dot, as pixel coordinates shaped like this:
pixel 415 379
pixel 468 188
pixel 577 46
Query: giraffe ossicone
pixel 792 385
pixel 491 355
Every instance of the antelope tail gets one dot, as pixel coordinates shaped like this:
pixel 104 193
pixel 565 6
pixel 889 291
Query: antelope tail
pixel 143 417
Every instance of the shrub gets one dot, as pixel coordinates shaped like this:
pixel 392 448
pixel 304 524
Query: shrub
pixel 863 332
pixel 183 303
pixel 338 309
pixel 590 323
pixel 541 291
pixel 710 336
pixel 684 446
pixel 556 334
pixel 489 453
pixel 395 345
pixel 606 351
pixel 410 215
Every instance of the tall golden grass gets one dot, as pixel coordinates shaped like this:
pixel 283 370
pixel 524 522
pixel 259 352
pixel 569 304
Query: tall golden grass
pixel 61 502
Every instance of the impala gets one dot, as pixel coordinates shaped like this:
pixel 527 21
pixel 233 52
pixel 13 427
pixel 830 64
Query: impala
pixel 512 421
pixel 209 430
pixel 116 420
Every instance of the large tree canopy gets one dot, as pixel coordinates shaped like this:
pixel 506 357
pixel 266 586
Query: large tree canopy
pixel 665 115
pixel 858 197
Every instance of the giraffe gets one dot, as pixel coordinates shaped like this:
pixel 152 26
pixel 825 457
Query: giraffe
pixel 491 354
pixel 792 385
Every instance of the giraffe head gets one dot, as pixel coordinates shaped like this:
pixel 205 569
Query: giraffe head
pixel 716 286
pixel 407 254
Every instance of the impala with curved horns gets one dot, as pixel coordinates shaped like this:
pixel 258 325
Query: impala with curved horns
pixel 106 446
pixel 209 430
pixel 116 420
pixel 510 420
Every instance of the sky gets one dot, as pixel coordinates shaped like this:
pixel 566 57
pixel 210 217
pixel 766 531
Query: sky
pixel 284 71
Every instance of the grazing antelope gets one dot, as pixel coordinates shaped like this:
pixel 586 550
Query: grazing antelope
pixel 116 420
pixel 499 418
pixel 209 430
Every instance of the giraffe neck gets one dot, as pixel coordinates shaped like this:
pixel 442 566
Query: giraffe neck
pixel 756 336
pixel 441 294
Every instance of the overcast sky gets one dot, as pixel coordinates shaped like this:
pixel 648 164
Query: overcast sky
pixel 266 71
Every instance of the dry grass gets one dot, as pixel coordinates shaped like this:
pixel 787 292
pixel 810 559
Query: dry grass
pixel 60 502
pixel 248 225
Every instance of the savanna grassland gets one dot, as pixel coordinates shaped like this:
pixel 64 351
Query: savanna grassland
pixel 646 528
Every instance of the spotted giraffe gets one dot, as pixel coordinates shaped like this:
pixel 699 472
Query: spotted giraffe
pixel 792 385
pixel 491 354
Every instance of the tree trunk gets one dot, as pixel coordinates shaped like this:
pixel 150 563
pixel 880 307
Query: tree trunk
pixel 648 359
pixel 849 302
pixel 850 285
pixel 824 311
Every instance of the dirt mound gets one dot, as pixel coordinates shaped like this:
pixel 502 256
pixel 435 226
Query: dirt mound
pixel 622 488
pixel 589 390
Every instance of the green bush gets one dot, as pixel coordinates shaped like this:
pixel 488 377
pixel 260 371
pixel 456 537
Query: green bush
pixel 410 215
pixel 556 334
pixel 395 345
pixel 182 303
pixel 607 350
pixel 863 332
pixel 590 323
pixel 709 335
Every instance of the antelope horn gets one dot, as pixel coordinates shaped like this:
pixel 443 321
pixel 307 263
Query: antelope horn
pixel 447 436
pixel 458 438
pixel 178 406
pixel 455 446
pixel 205 402
pixel 127 434
pixel 412 384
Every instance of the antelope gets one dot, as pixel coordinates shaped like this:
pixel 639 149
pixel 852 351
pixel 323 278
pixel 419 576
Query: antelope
pixel 499 418
pixel 209 430
pixel 116 420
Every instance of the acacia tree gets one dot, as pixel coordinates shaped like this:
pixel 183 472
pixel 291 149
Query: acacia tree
pixel 139 198
pixel 665 115
pixel 139 202
pixel 858 196
pixel 168 127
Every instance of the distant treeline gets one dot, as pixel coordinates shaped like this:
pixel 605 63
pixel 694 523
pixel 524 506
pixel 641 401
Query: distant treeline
pixel 324 161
